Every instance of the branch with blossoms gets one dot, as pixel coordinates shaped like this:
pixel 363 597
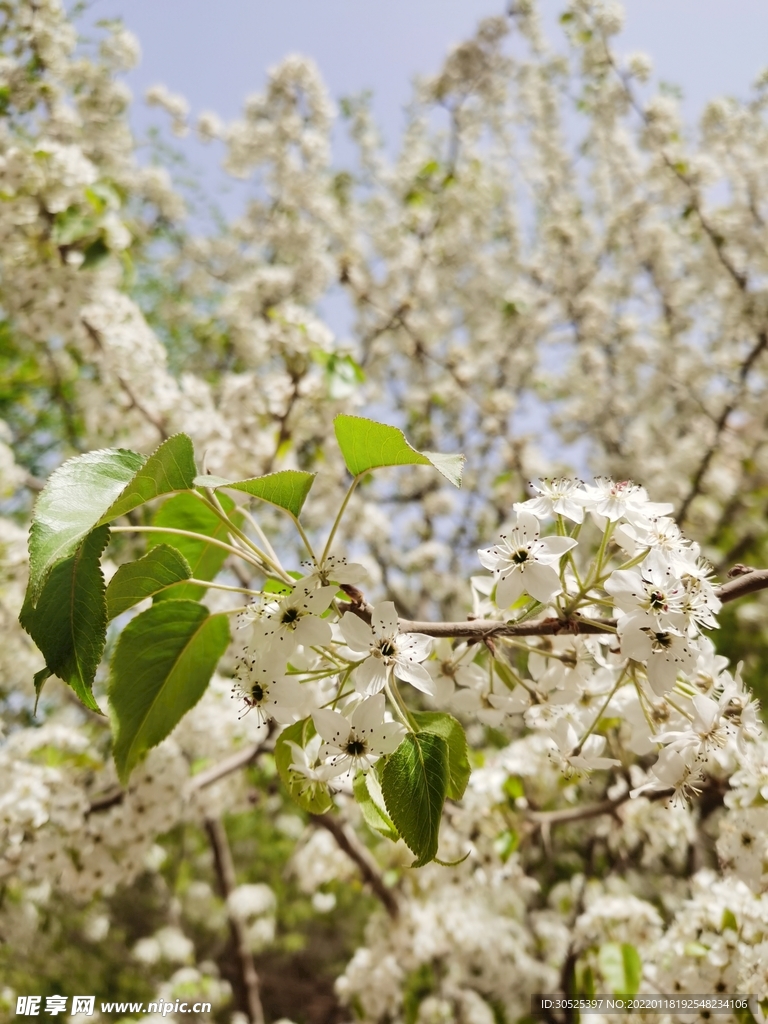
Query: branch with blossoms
pixel 747 581
pixel 588 625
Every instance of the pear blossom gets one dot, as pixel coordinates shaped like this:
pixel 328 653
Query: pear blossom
pixel 334 569
pixel 672 771
pixel 314 776
pixel 555 497
pixel 524 563
pixel 388 650
pixel 294 620
pixel 453 667
pixel 585 756
pixel 665 652
pixel 357 742
pixel 269 693
pixel 706 730
pixel 647 596
pixel 488 706
pixel 614 500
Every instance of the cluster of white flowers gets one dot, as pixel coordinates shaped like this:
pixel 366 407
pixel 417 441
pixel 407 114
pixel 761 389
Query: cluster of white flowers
pixel 629 314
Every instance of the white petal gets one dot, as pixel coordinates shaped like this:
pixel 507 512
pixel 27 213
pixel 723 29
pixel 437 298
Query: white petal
pixel 636 644
pixel 489 558
pixel 414 674
pixel 333 727
pixel 311 631
pixel 369 713
pixel 287 693
pixel 707 710
pixel 357 634
pixel 371 676
pixel 661 674
pixel 414 646
pixel 318 601
pixel 352 572
pixel 509 588
pixel 388 738
pixel 384 619
pixel 466 700
pixel 527 526
pixel 557 546
pixel 541 582
pixel 470 675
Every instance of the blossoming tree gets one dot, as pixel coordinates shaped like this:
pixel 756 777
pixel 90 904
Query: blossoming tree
pixel 489 737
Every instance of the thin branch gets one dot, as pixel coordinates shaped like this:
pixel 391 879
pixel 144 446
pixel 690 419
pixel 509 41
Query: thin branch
pixel 486 629
pixel 565 815
pixel 207 777
pixel 231 764
pixel 722 421
pixel 347 841
pixel 225 871
pixel 96 338
pixel 745 581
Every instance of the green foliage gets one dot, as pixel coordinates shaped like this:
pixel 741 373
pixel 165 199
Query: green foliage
pixel 72 503
pixel 149 576
pixel 287 489
pixel 69 621
pixel 367 445
pixel 414 783
pixel 170 468
pixel 187 512
pixel 160 669
pixel 95 488
pixel 419 984
pixel 311 797
pixel 459 770
pixel 367 791
pixel 621 967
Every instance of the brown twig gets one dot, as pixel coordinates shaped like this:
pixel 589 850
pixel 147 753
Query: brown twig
pixel 207 777
pixel 158 424
pixel 564 815
pixel 486 629
pixel 748 581
pixel 347 841
pixel 225 872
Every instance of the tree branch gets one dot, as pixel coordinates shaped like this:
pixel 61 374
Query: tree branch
pixel 746 581
pixel 564 815
pixel 225 871
pixel 485 629
pixel 347 841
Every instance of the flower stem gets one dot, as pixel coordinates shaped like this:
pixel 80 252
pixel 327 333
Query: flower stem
pixel 399 705
pixel 194 536
pixel 337 520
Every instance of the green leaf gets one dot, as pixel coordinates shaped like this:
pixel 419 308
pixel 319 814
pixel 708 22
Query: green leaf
pixel 73 501
pixel 414 783
pixel 170 468
pixel 160 669
pixel 95 254
pixel 93 489
pixel 368 445
pixel 621 967
pixel 72 225
pixel 458 755
pixel 506 843
pixel 69 621
pixel 729 921
pixel 310 796
pixel 372 807
pixel 186 512
pixel 287 489
pixel 146 577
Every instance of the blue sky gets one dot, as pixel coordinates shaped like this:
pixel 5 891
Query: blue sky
pixel 215 52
